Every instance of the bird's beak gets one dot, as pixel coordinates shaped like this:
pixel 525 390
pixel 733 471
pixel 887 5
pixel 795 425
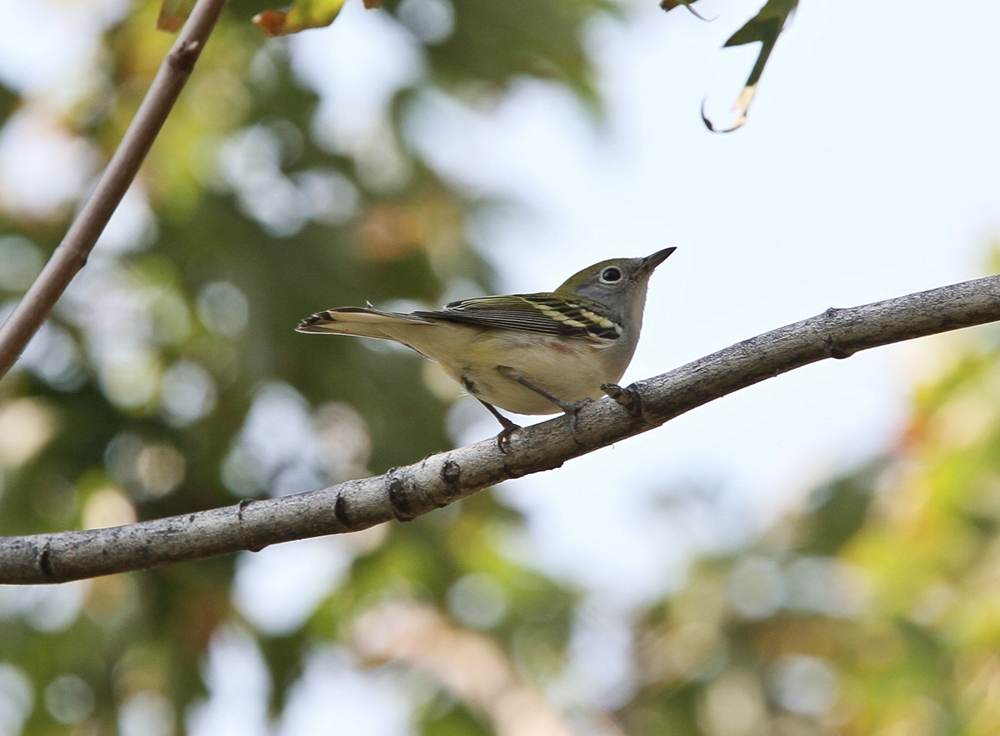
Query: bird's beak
pixel 651 262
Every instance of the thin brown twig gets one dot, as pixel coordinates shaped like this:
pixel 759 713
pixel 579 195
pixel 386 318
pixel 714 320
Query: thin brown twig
pixel 72 253
pixel 405 493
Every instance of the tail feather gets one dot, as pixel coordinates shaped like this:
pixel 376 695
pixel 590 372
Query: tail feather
pixel 362 321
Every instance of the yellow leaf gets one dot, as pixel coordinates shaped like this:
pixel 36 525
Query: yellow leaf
pixel 302 15
pixel 173 13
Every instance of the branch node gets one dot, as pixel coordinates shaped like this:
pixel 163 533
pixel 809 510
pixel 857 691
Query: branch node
pixel 832 349
pixel 451 473
pixel 247 544
pixel 75 254
pixel 45 563
pixel 629 399
pixel 340 511
pixel 184 56
pixel 399 504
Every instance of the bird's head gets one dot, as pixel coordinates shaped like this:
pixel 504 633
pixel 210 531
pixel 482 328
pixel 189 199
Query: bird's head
pixel 619 283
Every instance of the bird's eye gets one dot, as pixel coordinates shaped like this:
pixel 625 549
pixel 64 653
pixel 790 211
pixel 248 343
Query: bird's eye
pixel 611 275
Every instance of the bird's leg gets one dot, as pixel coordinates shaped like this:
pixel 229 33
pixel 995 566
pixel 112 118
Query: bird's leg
pixel 508 426
pixel 570 410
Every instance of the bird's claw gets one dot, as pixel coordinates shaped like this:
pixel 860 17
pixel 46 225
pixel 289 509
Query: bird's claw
pixel 503 438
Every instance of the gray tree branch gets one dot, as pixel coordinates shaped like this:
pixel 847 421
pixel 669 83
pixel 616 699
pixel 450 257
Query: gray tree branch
pixel 71 254
pixel 438 480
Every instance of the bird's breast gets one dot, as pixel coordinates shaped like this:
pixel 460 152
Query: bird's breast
pixel 569 369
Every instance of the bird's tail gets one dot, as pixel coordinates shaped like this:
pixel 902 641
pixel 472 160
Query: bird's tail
pixel 362 321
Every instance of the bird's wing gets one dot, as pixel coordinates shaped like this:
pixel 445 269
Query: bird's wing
pixel 551 314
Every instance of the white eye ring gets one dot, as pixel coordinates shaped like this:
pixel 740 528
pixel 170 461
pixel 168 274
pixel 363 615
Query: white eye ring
pixel 611 275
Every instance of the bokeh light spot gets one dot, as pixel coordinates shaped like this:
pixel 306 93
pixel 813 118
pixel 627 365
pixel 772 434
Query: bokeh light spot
pixel 756 587
pixel 187 392
pixel 146 713
pixel 223 309
pixel 432 21
pixel 20 262
pixel 16 698
pixel 478 601
pixel 107 507
pixel 803 684
pixel 69 699
pixel 26 426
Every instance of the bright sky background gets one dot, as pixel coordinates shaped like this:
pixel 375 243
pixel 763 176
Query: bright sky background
pixel 869 168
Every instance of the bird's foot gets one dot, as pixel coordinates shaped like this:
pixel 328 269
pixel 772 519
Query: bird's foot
pixel 509 428
pixel 503 438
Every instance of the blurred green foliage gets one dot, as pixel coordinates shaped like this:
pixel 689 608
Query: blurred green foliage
pixel 138 400
pixel 170 380
pixel 873 611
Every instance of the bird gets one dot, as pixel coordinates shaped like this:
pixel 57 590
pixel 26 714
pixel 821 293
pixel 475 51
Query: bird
pixel 533 354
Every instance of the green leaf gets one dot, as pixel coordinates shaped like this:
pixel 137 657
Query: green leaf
pixel 500 42
pixel 669 5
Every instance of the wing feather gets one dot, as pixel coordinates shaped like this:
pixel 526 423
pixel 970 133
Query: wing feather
pixel 550 314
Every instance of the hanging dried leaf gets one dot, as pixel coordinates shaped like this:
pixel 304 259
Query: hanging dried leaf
pixel 765 27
